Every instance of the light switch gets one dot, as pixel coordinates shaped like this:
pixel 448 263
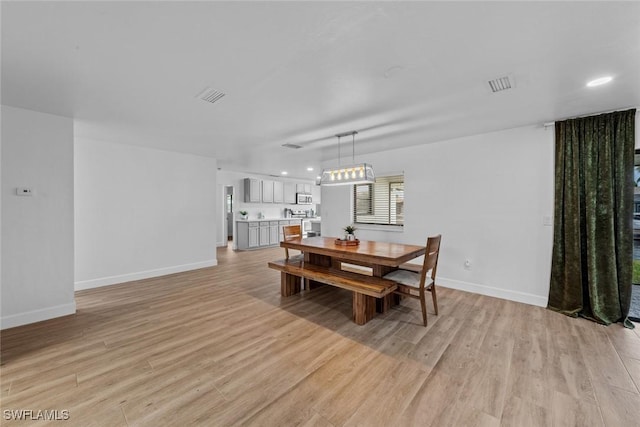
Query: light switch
pixel 24 191
pixel 547 220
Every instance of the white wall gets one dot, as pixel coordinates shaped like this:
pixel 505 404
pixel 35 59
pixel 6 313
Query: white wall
pixel 487 195
pixel 37 231
pixel 141 212
pixel 269 210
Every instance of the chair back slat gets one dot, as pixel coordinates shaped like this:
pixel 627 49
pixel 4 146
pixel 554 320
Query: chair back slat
pixel 291 232
pixel 430 259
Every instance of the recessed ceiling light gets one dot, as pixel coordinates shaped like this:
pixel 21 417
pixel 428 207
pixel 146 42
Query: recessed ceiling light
pixel 284 172
pixel 318 177
pixel 600 81
pixel 310 169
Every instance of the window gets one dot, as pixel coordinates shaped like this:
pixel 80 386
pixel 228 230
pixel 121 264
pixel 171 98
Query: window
pixel 364 199
pixel 229 203
pixel 380 203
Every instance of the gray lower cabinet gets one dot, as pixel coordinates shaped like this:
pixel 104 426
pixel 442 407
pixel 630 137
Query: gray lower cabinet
pixel 273 233
pixel 253 237
pixel 248 234
pixel 264 233
pixel 257 234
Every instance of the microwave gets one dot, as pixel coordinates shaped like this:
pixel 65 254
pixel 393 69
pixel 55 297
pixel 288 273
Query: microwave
pixel 304 199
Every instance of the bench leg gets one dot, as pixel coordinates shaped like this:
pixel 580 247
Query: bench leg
pixel 364 308
pixel 312 284
pixel 289 284
pixel 384 304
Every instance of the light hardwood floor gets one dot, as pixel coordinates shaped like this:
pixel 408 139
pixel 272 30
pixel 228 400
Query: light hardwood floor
pixel 220 347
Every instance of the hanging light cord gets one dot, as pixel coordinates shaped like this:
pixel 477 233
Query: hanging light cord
pixel 353 148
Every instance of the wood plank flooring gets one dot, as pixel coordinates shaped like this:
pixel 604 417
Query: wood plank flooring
pixel 220 347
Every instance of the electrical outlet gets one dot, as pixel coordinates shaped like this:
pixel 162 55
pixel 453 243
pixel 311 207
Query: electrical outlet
pixel 24 191
pixel 467 264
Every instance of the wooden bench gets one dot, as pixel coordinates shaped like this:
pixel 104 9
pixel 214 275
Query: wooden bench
pixel 365 288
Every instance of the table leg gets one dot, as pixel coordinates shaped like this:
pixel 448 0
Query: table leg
pixel 289 284
pixel 364 308
pixel 385 303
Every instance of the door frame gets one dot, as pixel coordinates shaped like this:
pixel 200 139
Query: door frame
pixel 225 222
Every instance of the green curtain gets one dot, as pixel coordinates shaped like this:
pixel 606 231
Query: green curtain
pixel 593 227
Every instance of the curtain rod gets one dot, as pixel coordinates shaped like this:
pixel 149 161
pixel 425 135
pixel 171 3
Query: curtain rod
pixel 549 124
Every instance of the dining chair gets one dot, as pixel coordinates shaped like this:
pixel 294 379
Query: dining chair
pixel 292 232
pixel 413 283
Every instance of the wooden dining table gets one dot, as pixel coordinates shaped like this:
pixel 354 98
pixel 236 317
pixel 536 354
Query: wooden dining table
pixel 359 268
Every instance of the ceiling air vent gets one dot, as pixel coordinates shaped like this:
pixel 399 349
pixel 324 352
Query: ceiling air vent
pixel 294 146
pixel 210 95
pixel 500 84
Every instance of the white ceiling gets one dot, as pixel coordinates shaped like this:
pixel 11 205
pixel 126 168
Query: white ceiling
pixel 401 73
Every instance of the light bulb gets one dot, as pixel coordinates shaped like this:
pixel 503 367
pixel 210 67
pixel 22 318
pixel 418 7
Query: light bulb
pixel 333 178
pixel 361 172
pixel 353 173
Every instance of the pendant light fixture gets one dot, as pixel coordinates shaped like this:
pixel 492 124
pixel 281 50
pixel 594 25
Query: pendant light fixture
pixel 355 173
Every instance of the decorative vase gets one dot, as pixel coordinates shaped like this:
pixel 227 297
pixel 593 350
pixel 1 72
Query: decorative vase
pixel 350 237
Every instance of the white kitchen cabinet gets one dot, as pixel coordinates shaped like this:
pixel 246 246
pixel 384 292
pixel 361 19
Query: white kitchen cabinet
pixel 264 233
pixel 278 192
pixel 254 241
pixel 252 190
pixel 301 187
pixel 258 234
pixel 273 233
pixel 247 235
pixel 290 192
pixel 267 191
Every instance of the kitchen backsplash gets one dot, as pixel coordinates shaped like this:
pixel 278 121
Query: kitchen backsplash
pixel 276 211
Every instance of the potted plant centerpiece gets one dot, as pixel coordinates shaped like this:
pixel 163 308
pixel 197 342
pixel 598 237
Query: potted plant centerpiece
pixel 349 231
pixel 244 214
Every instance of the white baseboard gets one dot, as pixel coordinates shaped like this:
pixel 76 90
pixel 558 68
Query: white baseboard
pixel 39 315
pixel 114 280
pixel 540 301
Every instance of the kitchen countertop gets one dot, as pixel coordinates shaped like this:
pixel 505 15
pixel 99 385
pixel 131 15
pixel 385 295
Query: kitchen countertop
pixel 275 219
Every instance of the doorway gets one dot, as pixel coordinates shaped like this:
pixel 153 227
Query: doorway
pixel 228 203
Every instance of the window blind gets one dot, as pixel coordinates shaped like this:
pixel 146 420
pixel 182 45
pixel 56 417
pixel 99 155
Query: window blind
pixel 381 202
